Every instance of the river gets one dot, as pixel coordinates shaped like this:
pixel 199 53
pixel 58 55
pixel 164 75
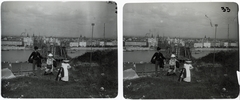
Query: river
pixel 134 56
pixel 145 56
pixel 138 56
pixel 22 56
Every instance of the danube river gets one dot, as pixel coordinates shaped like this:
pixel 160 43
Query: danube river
pixel 133 56
pixel 22 56
pixel 138 56
pixel 145 56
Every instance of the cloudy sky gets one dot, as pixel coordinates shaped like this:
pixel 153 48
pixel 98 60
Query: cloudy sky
pixel 180 19
pixel 59 18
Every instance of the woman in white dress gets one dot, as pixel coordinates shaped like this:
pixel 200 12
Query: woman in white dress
pixel 65 66
pixel 187 67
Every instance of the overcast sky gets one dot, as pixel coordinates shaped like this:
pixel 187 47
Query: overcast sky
pixel 59 18
pixel 180 19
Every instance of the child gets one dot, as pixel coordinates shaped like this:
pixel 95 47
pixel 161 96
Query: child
pixel 187 67
pixel 63 71
pixel 49 69
pixel 172 63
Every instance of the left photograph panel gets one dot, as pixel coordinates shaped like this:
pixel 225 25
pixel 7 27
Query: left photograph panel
pixel 59 49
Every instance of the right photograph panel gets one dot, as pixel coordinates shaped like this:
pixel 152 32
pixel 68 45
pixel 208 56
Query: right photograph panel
pixel 180 50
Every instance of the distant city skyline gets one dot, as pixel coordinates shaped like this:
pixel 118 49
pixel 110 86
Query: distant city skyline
pixel 180 19
pixel 59 19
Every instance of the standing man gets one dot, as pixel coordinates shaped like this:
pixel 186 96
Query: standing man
pixel 159 60
pixel 35 59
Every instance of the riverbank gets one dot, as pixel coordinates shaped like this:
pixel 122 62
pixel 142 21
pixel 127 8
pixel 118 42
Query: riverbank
pixel 211 49
pixel 7 48
pixel 137 49
pixel 89 48
pixel 130 49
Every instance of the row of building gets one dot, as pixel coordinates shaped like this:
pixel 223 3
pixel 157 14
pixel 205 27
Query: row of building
pixel 154 42
pixel 162 42
pixel 29 41
pixel 67 42
pixel 218 44
pixel 94 43
pixel 165 42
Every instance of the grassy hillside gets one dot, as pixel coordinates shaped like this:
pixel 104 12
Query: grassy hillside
pixel 98 81
pixel 105 73
pixel 45 87
pixel 207 81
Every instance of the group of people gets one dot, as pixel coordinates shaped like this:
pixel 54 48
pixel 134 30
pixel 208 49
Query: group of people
pixel 158 59
pixel 36 59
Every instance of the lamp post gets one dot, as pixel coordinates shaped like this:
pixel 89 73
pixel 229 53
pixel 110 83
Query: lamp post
pixel 91 46
pixel 228 37
pixel 104 35
pixel 214 45
pixel 214 39
pixel 230 21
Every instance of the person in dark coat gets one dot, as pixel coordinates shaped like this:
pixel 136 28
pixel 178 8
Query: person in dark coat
pixel 35 59
pixel 159 60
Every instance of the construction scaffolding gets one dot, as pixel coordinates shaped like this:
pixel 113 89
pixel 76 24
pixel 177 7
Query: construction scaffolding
pixel 182 52
pixel 59 52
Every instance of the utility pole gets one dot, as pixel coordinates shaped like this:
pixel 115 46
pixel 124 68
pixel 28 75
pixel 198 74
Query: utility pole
pixel 104 35
pixel 91 46
pixel 228 36
pixel 214 39
pixel 214 45
pixel 78 41
pixel 230 21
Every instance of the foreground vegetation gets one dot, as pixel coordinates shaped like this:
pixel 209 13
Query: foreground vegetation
pixel 96 81
pixel 207 81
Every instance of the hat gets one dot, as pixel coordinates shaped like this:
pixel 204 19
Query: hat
pixel 66 61
pixel 50 55
pixel 173 55
pixel 188 61
pixel 35 47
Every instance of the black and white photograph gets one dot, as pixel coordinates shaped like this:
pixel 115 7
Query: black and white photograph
pixel 59 49
pixel 180 50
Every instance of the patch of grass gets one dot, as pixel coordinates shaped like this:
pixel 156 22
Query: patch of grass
pixel 46 87
pixel 32 87
pixel 107 65
pixel 164 88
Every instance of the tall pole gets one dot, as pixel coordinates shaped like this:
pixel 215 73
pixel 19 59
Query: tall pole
pixel 214 45
pixel 228 36
pixel 91 46
pixel 78 41
pixel 104 35
pixel 214 39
